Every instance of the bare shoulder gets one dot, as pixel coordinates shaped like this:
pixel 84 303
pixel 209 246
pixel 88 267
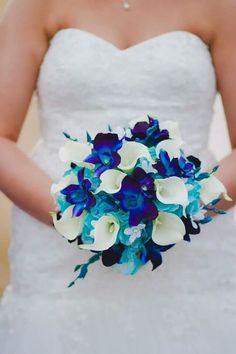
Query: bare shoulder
pixel 223 20
pixel 23 43
pixel 28 17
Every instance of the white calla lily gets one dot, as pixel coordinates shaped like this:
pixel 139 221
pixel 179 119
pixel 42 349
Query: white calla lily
pixel 130 152
pixel 168 228
pixel 76 152
pixel 173 129
pixel 171 190
pixel 104 233
pixel 172 146
pixel 211 189
pixel 111 181
pixel 63 183
pixel 68 226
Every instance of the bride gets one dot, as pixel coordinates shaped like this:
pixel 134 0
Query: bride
pixel 92 63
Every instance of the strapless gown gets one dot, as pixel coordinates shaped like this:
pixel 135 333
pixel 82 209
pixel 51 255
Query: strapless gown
pixel 188 304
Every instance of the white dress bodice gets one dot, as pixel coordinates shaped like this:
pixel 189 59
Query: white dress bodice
pixel 86 82
pixel 188 305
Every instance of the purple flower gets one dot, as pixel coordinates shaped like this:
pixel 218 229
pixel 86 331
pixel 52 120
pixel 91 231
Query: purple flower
pixel 79 194
pixel 104 153
pixel 148 133
pixel 136 197
pixel 145 181
pixel 180 167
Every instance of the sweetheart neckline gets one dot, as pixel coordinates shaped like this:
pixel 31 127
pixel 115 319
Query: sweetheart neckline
pixel 157 37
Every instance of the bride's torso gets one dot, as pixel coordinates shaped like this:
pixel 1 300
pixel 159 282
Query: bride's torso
pixel 84 83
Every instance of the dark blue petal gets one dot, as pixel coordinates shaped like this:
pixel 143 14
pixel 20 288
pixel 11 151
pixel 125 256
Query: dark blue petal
pixel 130 185
pixel 86 184
pixel 115 160
pixel 191 227
pixel 166 247
pixel 108 140
pixel 187 238
pixel 80 175
pixel 139 174
pixel 155 258
pixel 77 210
pixel 140 129
pixel 91 200
pixel 134 217
pixel 72 188
pixel 92 158
pixel 150 211
pixel 99 170
pixel 194 160
pixel 112 255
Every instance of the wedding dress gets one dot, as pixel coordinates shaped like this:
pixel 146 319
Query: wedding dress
pixel 188 304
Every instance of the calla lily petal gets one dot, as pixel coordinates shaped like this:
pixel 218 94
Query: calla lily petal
pixel 68 226
pixel 104 233
pixel 111 181
pixel 76 152
pixel 212 188
pixel 171 190
pixel 130 152
pixel 172 146
pixel 168 228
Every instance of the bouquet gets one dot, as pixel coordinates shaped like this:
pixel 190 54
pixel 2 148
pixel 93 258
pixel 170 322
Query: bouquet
pixel 131 193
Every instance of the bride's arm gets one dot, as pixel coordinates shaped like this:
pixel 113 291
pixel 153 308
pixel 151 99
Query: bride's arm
pixel 223 51
pixel 23 42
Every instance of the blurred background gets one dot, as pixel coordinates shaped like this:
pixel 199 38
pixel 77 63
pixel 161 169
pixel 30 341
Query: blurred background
pixel 29 136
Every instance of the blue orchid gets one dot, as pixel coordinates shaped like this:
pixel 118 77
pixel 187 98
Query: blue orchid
pixel 112 255
pixel 104 153
pixel 154 253
pixel 179 167
pixel 136 196
pixel 79 194
pixel 192 227
pixel 148 133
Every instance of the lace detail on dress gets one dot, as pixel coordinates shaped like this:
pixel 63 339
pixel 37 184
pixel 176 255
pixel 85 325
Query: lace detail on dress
pixel 84 83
